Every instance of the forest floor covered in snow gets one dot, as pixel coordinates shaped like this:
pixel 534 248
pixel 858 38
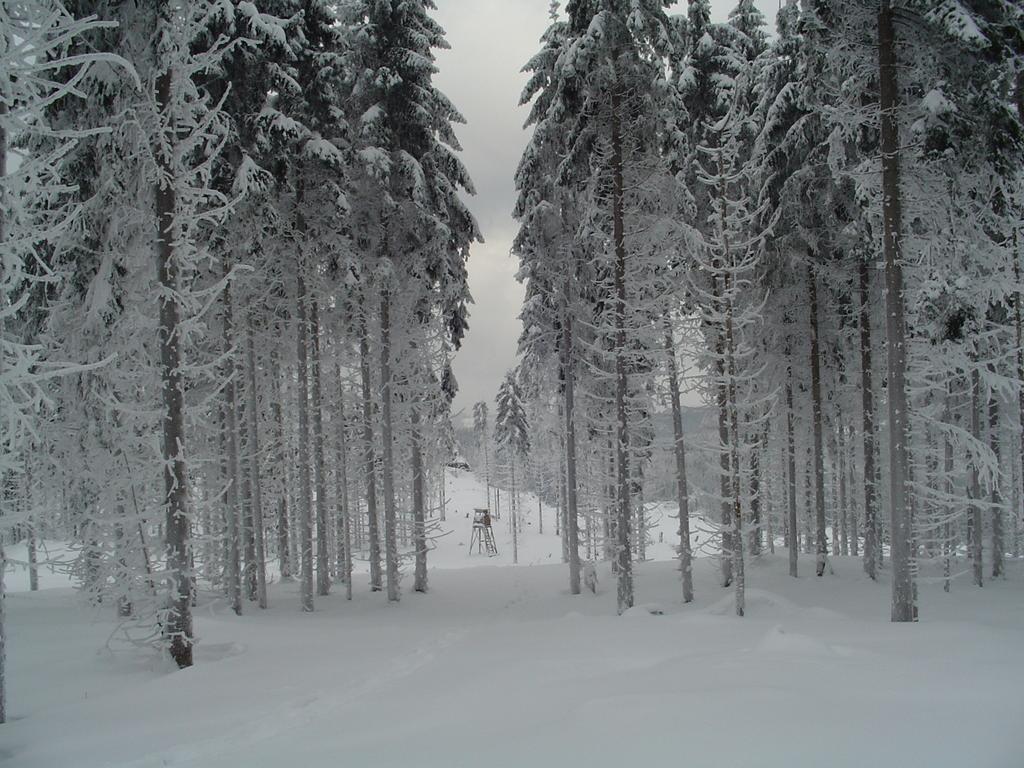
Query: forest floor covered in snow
pixel 499 666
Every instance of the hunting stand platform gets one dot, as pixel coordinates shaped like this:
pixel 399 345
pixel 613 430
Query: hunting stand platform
pixel 482 536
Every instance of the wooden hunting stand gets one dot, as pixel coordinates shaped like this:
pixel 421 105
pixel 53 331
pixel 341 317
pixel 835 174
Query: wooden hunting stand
pixel 482 535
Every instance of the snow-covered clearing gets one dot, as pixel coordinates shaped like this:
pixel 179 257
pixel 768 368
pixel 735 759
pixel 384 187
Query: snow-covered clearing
pixel 500 666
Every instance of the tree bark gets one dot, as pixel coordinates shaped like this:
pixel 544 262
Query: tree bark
pixel 947 468
pixel 540 502
pixel 624 560
pixel 739 572
pixel 323 526
pixel 733 505
pixel 563 491
pixel 868 433
pixel 443 482
pixel 903 608
pixel 844 529
pixel 244 477
pixel 177 627
pixel 254 472
pixel 998 545
pixel 341 492
pixel 370 457
pixel 682 492
pixel 1018 513
pixel 974 521
pixel 851 483
pixel 281 473
pixel 794 530
pixel 419 505
pixel 571 526
pixel 3 478
pixel 722 401
pixel 233 565
pixel 306 481
pixel 821 540
pixel 30 528
pixel 387 465
pixel 769 491
pixel 755 497
pixel 514 509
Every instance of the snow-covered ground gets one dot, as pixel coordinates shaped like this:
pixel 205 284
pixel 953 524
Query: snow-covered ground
pixel 500 666
pixel 464 492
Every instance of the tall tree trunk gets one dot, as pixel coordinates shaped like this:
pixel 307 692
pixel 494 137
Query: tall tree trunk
pixel 682 492
pixel 244 477
pixel 30 527
pixel 281 472
pixel 974 534
pixel 722 401
pixel 794 530
pixel 306 480
pixel 608 518
pixel 770 491
pixel 844 525
pixel 809 548
pixel 755 497
pixel 903 608
pixel 736 512
pixel 571 528
pixel 1018 513
pixel 514 510
pixel 177 626
pixel 540 494
pixel 563 490
pixel 323 526
pixel 254 471
pixel 998 545
pixel 947 469
pixel 419 505
pixel 487 467
pixel 821 540
pixel 641 522
pixel 341 493
pixel 868 415
pixel 233 566
pixel 851 483
pixel 624 559
pixel 370 454
pixel 443 482
pixel 387 465
pixel 3 474
pixel 124 603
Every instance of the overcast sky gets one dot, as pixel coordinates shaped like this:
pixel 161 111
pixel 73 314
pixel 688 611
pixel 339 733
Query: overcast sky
pixel 491 40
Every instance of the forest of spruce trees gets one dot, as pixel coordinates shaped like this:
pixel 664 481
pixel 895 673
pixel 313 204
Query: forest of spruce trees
pixel 817 232
pixel 234 240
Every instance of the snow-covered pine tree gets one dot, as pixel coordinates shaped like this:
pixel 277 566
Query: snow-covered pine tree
pixel 186 132
pixel 254 70
pixel 39 69
pixel 613 66
pixel 146 194
pixel 411 227
pixel 813 140
pixel 548 212
pixel 308 120
pixel 512 436
pixel 482 435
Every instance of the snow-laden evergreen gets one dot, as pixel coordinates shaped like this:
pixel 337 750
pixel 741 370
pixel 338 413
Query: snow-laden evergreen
pixel 224 269
pixel 802 163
